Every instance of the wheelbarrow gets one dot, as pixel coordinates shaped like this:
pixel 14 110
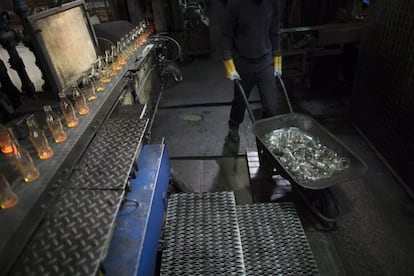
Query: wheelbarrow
pixel 315 194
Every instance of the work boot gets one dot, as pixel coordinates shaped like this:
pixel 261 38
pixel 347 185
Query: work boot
pixel 233 135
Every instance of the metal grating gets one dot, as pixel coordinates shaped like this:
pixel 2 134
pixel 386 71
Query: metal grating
pixel 382 101
pixel 73 238
pixel 108 160
pixel 274 242
pixel 202 236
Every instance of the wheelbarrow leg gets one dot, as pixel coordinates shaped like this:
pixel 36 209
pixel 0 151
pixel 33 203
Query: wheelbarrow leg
pixel 266 163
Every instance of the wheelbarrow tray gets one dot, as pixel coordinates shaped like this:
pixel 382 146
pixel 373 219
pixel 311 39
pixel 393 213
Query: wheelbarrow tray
pixel 357 168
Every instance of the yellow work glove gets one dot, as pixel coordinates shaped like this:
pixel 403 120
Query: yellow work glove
pixel 231 72
pixel 278 65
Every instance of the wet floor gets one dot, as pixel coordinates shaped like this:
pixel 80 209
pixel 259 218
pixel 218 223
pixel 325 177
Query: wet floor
pixel 374 233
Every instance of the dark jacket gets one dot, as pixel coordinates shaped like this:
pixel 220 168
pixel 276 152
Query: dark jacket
pixel 251 28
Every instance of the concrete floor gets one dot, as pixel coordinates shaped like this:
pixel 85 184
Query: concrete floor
pixel 374 234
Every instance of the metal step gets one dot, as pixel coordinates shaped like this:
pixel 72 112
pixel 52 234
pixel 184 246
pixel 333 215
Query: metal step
pixel 206 234
pixel 202 236
pixel 273 240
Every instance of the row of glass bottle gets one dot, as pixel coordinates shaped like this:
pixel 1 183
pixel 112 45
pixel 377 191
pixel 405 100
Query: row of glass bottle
pixel 101 73
pixel 115 58
pixel 21 158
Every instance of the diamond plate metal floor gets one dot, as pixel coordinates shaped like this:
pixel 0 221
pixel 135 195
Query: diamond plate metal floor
pixel 75 234
pixel 72 239
pixel 206 234
pixel 273 240
pixel 118 144
pixel 202 236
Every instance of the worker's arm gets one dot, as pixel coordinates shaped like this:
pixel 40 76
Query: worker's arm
pixel 227 34
pixel 275 39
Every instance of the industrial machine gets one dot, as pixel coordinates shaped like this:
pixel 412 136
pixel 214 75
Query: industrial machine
pixel 186 21
pixel 306 50
pixel 77 217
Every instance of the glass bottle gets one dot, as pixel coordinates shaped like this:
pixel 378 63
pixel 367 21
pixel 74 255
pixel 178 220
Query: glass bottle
pixel 122 60
pixel 5 140
pixel 138 39
pixel 128 48
pixel 68 111
pixel 114 61
pixel 106 72
pixel 24 163
pixel 7 197
pixel 88 88
pixel 55 125
pixel 80 100
pixel 97 73
pixel 39 140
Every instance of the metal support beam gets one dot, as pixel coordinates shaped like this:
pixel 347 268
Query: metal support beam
pixel 133 249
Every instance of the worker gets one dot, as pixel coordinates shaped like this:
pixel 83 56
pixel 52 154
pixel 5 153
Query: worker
pixel 251 53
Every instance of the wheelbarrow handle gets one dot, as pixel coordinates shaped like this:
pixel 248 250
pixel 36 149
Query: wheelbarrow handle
pixel 246 101
pixel 285 93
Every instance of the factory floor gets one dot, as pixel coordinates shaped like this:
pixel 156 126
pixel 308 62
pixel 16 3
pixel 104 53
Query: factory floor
pixel 374 234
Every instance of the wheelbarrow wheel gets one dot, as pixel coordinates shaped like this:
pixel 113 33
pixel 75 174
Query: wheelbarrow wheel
pixel 328 208
pixel 322 205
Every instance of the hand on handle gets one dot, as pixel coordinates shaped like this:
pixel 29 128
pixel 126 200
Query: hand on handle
pixel 278 65
pixel 231 72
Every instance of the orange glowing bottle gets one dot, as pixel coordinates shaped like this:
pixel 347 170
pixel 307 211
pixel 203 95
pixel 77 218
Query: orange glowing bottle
pixel 7 197
pixel 88 88
pixel 39 140
pixel 99 72
pixel 55 125
pixel 68 111
pixel 114 62
pixel 24 163
pixel 122 59
pixel 5 140
pixel 106 72
pixel 80 100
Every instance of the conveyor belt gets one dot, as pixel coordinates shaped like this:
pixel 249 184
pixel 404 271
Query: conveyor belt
pixel 74 236
pixel 35 199
pixel 108 160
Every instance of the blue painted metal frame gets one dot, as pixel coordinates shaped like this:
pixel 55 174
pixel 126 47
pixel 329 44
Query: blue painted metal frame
pixel 134 245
